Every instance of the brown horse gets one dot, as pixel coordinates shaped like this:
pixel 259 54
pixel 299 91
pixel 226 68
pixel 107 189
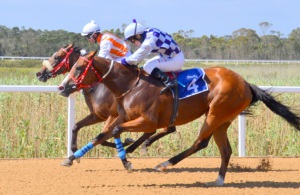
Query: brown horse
pixel 61 62
pixel 100 101
pixel 142 109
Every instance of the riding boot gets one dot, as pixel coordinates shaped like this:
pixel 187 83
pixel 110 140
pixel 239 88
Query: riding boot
pixel 169 83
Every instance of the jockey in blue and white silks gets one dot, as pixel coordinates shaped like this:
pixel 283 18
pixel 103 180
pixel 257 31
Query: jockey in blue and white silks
pixel 151 40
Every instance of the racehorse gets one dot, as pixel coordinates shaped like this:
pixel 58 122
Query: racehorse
pixel 100 101
pixel 61 62
pixel 142 109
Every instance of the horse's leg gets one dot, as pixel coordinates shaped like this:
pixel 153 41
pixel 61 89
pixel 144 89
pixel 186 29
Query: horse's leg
pixel 81 152
pixel 138 142
pixel 205 133
pixel 221 139
pixel 108 122
pixel 137 125
pixel 106 134
pixel 88 120
pixel 156 137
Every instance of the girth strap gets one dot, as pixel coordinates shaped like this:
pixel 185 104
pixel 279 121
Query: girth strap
pixel 175 94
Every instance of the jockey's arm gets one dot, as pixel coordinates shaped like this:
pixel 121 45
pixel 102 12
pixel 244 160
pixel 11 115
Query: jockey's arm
pixel 105 48
pixel 139 54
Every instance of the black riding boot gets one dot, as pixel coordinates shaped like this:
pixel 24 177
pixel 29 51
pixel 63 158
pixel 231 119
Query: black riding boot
pixel 169 83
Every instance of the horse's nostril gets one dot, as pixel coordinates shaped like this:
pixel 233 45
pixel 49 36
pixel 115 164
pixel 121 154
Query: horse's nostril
pixel 38 74
pixel 61 88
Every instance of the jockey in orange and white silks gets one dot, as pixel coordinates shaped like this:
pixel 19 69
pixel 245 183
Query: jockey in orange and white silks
pixel 111 46
pixel 151 40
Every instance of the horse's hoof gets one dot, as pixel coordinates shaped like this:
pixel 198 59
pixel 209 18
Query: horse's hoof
pixel 67 163
pixel 160 167
pixel 163 166
pixel 128 141
pixel 78 160
pixel 128 166
pixel 212 184
pixel 218 182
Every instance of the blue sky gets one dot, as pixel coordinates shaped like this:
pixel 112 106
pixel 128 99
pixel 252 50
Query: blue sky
pixel 214 17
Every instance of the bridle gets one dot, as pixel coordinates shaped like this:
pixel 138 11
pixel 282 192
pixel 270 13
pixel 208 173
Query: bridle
pixel 78 81
pixel 65 62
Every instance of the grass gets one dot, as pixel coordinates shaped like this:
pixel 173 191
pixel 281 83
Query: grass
pixel 35 124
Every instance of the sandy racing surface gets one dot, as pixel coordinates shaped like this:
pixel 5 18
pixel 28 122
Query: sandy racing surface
pixel 107 176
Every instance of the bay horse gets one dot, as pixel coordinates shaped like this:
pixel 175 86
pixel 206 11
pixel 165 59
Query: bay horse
pixel 61 62
pixel 141 108
pixel 100 101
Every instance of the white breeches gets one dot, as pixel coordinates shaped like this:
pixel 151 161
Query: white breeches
pixel 165 64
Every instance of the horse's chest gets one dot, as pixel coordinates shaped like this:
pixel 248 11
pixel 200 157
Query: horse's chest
pixel 131 110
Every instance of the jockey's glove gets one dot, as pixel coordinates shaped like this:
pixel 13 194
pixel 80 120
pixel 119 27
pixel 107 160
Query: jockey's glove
pixel 123 61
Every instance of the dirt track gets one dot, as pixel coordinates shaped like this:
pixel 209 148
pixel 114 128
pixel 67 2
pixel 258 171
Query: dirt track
pixel 107 176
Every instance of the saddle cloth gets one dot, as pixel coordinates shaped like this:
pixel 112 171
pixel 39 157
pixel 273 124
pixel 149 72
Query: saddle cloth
pixel 191 82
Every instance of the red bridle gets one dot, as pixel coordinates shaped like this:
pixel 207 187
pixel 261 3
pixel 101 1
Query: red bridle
pixel 65 61
pixel 78 81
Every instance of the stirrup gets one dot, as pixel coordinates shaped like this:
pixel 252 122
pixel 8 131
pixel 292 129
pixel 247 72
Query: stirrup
pixel 170 86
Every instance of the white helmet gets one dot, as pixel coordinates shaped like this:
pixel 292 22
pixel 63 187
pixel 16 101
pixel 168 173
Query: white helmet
pixel 133 29
pixel 90 28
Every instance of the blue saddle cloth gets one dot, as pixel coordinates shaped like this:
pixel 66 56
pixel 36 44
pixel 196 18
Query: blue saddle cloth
pixel 191 82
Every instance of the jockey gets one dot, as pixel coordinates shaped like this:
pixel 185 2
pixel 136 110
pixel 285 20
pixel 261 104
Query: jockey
pixel 151 40
pixel 111 46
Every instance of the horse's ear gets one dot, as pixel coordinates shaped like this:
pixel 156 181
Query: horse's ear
pixel 70 45
pixel 96 51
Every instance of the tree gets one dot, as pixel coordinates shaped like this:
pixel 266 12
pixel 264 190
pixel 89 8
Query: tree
pixel 264 26
pixel 294 43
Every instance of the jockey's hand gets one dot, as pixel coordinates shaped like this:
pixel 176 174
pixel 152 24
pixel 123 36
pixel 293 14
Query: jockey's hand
pixel 123 61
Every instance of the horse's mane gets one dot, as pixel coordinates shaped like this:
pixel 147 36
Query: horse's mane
pixel 76 49
pixel 132 69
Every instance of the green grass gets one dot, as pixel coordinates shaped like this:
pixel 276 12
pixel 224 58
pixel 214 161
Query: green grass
pixel 35 124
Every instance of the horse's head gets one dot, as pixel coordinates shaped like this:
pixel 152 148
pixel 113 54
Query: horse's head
pixel 59 63
pixel 82 75
pixel 89 70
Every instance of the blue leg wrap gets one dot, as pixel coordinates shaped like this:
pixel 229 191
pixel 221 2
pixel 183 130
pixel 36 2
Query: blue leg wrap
pixel 79 153
pixel 120 148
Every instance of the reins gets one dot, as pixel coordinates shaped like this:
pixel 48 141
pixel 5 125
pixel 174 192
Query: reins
pixel 80 79
pixel 128 91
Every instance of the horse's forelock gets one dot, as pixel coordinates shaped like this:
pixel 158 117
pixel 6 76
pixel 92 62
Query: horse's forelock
pixel 77 50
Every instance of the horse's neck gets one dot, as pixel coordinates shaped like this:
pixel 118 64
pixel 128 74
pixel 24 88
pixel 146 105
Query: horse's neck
pixel 73 58
pixel 99 94
pixel 119 79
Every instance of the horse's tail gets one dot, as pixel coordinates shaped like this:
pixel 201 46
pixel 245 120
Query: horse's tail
pixel 274 105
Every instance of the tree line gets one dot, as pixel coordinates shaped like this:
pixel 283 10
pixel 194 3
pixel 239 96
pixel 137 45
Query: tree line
pixel 242 44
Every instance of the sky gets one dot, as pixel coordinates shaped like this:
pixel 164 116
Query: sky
pixel 204 17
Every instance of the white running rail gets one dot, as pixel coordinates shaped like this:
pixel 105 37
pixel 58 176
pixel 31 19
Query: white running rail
pixel 36 88
pixel 71 108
